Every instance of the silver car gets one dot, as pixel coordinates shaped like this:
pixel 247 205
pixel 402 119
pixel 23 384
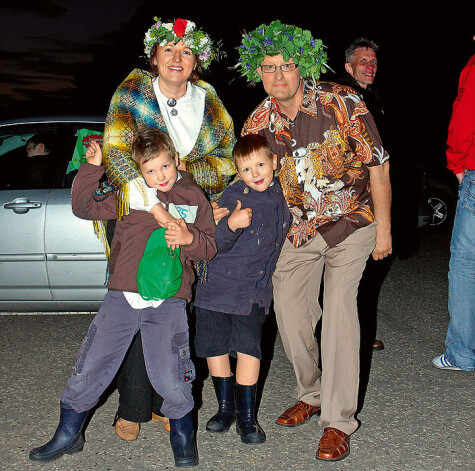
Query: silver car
pixel 50 260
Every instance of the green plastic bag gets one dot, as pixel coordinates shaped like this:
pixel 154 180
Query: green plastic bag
pixel 160 269
pixel 84 138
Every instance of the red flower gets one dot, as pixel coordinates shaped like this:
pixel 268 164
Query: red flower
pixel 180 27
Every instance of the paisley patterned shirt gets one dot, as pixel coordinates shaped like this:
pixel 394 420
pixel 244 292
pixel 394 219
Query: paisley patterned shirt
pixel 323 155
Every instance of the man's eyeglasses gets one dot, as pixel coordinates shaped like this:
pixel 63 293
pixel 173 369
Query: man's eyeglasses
pixel 270 69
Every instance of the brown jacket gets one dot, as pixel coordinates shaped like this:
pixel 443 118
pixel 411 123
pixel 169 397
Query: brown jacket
pixel 131 234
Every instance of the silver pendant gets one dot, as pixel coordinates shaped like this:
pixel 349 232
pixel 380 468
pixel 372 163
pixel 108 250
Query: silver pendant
pixel 174 112
pixel 171 102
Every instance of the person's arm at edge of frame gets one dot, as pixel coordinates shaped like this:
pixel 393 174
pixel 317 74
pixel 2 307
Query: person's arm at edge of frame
pixel 462 122
pixel 381 195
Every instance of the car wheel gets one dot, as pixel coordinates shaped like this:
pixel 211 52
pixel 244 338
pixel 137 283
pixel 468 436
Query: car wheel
pixel 442 207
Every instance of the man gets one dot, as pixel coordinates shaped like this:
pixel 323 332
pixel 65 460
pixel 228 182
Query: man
pixel 361 65
pixel 40 161
pixel 361 61
pixel 460 341
pixel 334 174
pixel 38 145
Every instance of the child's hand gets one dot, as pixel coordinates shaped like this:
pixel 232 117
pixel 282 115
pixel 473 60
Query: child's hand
pixel 94 154
pixel 218 213
pixel 240 218
pixel 161 215
pixel 177 234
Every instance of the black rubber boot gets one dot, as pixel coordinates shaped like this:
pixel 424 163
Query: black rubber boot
pixel 183 442
pixel 68 438
pixel 226 415
pixel 246 424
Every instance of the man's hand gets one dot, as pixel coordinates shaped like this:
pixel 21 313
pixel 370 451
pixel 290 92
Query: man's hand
pixel 460 176
pixel 94 154
pixel 218 213
pixel 383 245
pixel 381 195
pixel 240 218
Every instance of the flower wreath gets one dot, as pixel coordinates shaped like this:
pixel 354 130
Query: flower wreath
pixel 288 40
pixel 181 30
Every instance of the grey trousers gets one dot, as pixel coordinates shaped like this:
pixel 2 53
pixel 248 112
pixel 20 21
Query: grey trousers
pixel 165 341
pixel 297 280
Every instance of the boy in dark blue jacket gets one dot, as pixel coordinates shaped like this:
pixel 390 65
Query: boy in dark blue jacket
pixel 231 306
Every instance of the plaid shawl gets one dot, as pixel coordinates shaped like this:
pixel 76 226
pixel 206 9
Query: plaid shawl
pixel 134 103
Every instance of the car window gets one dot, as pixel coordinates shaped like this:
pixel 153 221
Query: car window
pixel 28 159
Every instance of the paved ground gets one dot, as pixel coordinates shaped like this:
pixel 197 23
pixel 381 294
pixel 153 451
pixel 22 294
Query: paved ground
pixel 414 417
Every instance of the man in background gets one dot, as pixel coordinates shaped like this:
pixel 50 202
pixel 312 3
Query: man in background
pixel 38 145
pixel 361 65
pixel 39 169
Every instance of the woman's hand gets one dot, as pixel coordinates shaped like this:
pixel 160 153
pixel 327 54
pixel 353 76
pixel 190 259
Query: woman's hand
pixel 94 154
pixel 218 213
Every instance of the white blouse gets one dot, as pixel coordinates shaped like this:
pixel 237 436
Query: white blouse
pixel 184 119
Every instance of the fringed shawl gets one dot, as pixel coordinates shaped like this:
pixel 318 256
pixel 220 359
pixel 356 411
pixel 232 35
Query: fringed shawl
pixel 134 104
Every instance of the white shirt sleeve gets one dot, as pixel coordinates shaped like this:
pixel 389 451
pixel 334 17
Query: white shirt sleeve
pixel 137 200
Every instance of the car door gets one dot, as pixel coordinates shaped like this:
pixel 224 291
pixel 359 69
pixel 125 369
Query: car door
pixel 23 201
pixel 22 255
pixel 75 261
pixel 75 258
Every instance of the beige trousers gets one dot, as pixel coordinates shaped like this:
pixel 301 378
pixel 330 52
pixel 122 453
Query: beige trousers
pixel 297 280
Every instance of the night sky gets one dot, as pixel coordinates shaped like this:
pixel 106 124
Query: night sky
pixel 66 57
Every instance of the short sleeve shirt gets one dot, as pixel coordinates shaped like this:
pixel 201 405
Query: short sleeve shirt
pixel 323 159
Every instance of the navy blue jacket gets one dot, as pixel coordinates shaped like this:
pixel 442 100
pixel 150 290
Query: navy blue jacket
pixel 241 273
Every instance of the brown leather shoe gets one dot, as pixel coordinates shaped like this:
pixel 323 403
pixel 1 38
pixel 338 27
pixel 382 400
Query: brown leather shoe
pixel 128 431
pixel 297 414
pixel 163 420
pixel 378 345
pixel 334 445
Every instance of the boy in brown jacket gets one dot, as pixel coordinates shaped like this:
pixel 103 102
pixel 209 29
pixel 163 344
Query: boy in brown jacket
pixel 162 323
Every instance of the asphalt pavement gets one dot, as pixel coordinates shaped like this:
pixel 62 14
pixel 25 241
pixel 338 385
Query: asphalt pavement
pixel 413 416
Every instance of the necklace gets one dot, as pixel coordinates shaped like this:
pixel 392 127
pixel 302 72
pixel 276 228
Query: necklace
pixel 171 102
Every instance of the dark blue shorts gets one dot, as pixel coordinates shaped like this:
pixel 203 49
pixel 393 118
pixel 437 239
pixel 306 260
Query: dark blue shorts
pixel 218 333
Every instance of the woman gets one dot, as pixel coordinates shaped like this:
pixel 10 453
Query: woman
pixel 171 98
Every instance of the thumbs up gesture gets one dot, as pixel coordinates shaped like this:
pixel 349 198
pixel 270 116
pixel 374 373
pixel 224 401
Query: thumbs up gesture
pixel 240 217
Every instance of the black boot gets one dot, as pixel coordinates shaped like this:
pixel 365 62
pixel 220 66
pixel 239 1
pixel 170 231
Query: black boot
pixel 182 439
pixel 68 438
pixel 246 424
pixel 226 415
